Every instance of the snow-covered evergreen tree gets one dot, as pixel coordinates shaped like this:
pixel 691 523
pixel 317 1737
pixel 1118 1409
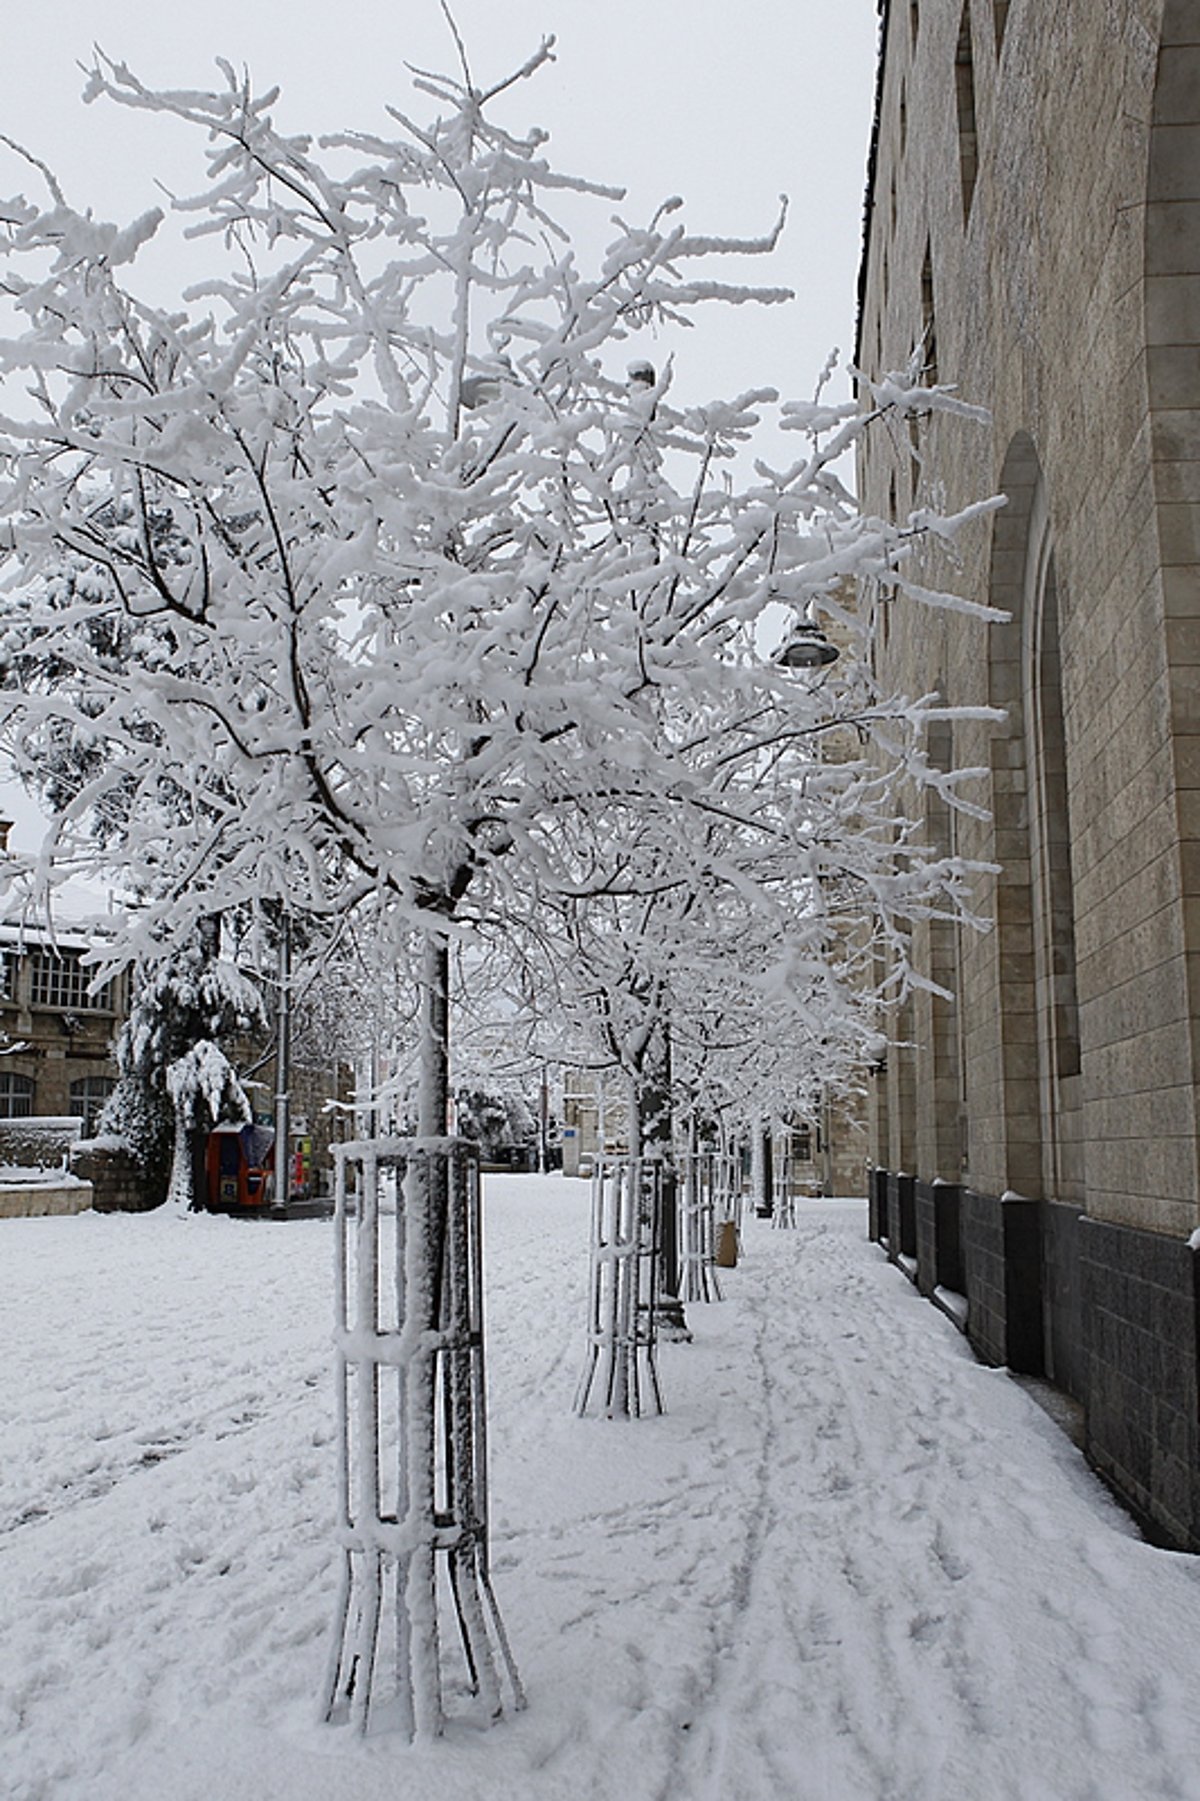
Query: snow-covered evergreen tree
pixel 175 1081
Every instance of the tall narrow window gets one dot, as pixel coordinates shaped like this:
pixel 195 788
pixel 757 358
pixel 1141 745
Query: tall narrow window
pixel 928 320
pixel 964 81
pixel 941 1028
pixel 1035 966
pixel 1053 841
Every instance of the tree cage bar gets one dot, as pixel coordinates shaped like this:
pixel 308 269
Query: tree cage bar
pixel 333 1679
pixel 699 1281
pixel 430 1514
pixel 621 1361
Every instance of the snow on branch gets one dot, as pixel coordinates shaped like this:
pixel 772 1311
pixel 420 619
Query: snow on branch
pixel 366 578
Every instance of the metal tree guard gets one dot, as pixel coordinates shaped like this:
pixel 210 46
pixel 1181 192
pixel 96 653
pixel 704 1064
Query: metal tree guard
pixel 699 1222
pixel 784 1211
pixel 412 1427
pixel 621 1373
pixel 730 1199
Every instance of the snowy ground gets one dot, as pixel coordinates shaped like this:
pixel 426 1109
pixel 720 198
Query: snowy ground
pixel 849 1565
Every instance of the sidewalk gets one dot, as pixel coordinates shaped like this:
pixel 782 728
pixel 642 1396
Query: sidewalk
pixel 849 1564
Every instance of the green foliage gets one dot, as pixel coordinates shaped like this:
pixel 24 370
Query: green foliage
pixel 193 998
pixel 494 1121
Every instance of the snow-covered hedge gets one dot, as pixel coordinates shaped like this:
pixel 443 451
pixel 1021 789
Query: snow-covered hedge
pixel 40 1142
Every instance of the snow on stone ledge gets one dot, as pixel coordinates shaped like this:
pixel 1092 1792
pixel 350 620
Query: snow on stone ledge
pixel 953 1304
pixel 44 1196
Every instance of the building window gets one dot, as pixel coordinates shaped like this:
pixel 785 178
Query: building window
pixel 929 341
pixel 61 980
pixel 16 1095
pixel 964 82
pixel 88 1096
pixel 8 976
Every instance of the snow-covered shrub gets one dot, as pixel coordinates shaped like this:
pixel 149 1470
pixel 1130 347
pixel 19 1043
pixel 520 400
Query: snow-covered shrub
pixel 39 1143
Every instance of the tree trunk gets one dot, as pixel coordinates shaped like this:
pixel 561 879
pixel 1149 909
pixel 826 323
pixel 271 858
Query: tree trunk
pixel 762 1170
pixel 433 1088
pixel 185 1188
pixel 655 1135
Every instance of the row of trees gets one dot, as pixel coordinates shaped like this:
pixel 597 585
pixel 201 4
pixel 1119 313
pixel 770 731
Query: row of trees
pixel 371 581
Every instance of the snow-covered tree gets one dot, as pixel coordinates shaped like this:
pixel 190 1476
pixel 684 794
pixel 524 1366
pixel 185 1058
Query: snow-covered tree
pixel 437 572
pixel 175 1079
pixel 461 601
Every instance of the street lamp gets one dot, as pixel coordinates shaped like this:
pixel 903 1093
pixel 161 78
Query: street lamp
pixel 805 647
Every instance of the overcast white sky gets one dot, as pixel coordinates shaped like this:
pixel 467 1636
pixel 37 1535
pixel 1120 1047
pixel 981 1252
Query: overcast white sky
pixel 729 105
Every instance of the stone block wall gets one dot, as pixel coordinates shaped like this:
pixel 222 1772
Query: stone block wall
pixel 1143 1396
pixel 118 1180
pixel 1064 1350
pixel 877 1192
pixel 1002 1264
pixel 939 1237
pixel 1057 288
pixel 947 1202
pixel 901 1216
pixel 1109 1314
pixel 927 1259
pixel 39 1200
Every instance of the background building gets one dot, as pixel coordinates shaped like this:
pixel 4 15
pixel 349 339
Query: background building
pixel 1034 226
pixel 55 1034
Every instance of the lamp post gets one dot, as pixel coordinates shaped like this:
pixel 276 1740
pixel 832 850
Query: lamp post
pixel 283 1073
pixel 805 647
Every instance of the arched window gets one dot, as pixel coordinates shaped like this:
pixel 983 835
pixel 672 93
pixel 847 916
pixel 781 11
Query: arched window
pixel 1053 901
pixel 88 1096
pixel 942 1151
pixel 1035 902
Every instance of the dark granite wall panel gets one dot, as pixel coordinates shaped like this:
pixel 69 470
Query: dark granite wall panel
pixel 1139 1310
pixel 1062 1325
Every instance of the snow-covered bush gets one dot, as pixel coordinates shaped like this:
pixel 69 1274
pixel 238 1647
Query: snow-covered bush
pixel 38 1143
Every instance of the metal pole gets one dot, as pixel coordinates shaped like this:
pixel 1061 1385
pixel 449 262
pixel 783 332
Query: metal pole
pixel 283 1052
pixel 544 1124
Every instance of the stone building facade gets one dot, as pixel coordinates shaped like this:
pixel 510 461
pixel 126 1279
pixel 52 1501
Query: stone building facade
pixel 57 1033
pixel 1033 227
